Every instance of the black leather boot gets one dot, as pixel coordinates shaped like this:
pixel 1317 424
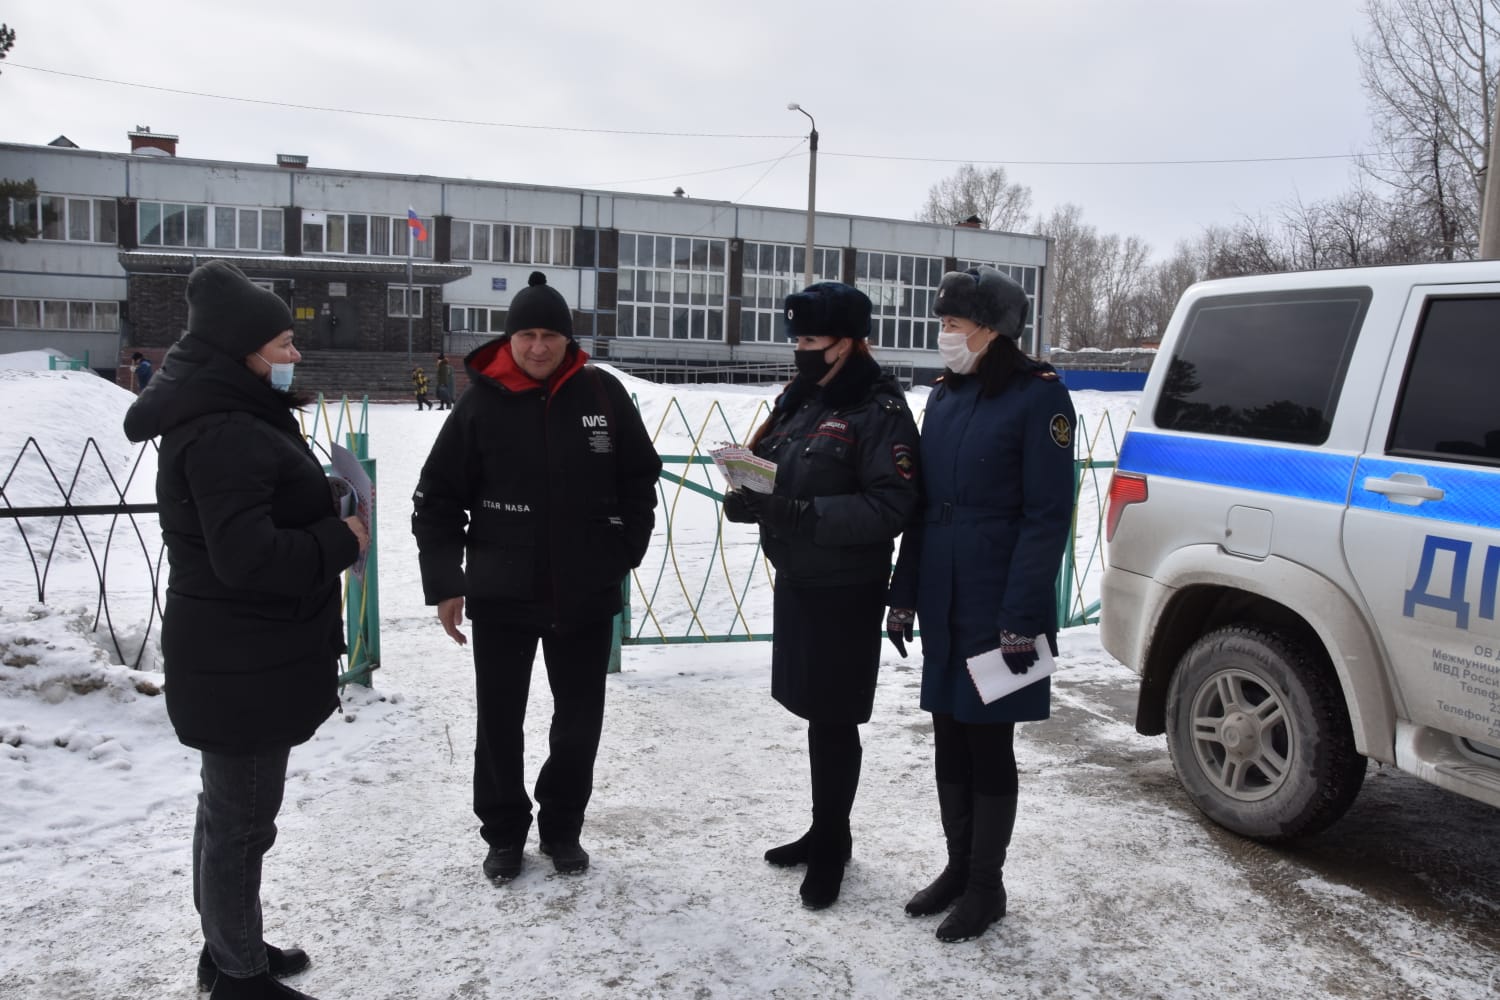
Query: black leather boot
pixel 794 854
pixel 956 805
pixel 261 987
pixel 280 962
pixel 983 900
pixel 835 780
pixel 503 862
pixel 568 856
pixel 791 855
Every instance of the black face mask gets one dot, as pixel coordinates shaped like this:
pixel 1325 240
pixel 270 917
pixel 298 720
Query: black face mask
pixel 811 364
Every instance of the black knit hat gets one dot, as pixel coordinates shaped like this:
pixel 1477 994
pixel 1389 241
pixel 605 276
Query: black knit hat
pixel 828 309
pixel 227 310
pixel 539 306
pixel 985 296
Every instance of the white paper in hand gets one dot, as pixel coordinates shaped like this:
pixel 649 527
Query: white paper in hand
pixel 994 680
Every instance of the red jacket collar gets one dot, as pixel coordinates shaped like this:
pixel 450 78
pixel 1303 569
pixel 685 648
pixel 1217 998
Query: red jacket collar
pixel 501 366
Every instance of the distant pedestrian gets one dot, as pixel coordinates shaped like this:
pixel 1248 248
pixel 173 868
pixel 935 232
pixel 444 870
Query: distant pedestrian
pixel 419 385
pixel 444 383
pixel 140 370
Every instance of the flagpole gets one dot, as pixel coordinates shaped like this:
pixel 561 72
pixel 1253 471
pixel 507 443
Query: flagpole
pixel 411 237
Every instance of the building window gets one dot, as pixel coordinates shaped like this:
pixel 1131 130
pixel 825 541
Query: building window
pixel 901 288
pixel 471 319
pixel 60 314
pixel 397 303
pixel 361 235
pixel 67 218
pixel 247 228
pixel 672 287
pixel 505 243
pixel 1026 277
pixel 223 227
pixel 772 272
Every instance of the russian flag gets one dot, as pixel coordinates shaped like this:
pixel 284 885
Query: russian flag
pixel 415 224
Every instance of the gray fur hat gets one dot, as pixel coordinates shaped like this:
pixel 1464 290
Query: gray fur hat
pixel 985 296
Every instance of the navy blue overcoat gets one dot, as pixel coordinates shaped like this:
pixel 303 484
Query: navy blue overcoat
pixel 997 475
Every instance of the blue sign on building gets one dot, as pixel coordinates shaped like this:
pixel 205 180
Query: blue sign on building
pixel 497 284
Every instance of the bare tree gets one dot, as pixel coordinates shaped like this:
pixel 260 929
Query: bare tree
pixel 1163 286
pixel 1430 71
pixel 987 194
pixel 1095 281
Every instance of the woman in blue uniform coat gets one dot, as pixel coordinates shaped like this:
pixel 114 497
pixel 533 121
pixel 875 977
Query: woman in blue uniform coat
pixel 979 571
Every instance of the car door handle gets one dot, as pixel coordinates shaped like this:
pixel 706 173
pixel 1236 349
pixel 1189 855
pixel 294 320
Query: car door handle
pixel 1404 488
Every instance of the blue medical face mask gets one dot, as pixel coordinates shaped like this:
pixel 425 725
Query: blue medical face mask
pixel 281 374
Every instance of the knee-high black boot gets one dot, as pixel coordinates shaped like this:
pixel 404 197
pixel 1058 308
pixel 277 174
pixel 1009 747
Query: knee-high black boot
pixel 983 901
pixel 835 780
pixel 956 804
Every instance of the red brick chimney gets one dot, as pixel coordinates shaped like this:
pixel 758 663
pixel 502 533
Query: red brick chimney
pixel 149 143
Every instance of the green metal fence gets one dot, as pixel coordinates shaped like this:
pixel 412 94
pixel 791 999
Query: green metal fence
pixel 705 580
pixel 361 591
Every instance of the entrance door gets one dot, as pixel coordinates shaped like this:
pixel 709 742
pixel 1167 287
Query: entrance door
pixel 338 324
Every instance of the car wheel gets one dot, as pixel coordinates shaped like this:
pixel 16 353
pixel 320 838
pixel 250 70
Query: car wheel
pixel 1259 734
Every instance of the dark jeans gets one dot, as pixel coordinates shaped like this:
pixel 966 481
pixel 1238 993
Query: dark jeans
pixel 982 757
pixel 576 662
pixel 236 827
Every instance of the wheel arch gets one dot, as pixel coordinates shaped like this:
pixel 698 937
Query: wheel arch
pixel 1203 598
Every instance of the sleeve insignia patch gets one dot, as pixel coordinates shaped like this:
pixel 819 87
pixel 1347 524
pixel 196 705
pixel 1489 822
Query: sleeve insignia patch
pixel 906 465
pixel 1062 431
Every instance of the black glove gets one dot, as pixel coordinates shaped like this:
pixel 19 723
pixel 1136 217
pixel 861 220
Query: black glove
pixel 787 518
pixel 898 622
pixel 743 506
pixel 1017 650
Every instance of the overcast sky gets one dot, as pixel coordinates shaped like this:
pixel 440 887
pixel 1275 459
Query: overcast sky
pixel 1057 91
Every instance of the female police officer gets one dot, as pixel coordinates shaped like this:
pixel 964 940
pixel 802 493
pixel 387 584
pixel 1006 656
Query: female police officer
pixel 844 444
pixel 979 568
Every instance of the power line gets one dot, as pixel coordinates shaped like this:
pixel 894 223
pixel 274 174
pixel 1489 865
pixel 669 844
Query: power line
pixel 695 173
pixel 1109 163
pixel 1202 161
pixel 397 115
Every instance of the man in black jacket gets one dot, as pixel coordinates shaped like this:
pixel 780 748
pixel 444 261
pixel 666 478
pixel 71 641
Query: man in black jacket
pixel 533 505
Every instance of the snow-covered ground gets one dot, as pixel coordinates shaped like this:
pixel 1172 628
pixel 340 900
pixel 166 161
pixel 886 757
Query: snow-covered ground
pixel 376 873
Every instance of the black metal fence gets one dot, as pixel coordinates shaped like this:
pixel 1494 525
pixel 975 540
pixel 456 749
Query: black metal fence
pixel 78 537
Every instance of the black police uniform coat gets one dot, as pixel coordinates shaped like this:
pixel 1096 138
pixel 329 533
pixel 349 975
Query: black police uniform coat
pixel 851 449
pixel 536 500
pixel 997 483
pixel 251 632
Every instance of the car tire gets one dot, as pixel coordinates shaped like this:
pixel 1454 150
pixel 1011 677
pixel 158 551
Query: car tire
pixel 1259 734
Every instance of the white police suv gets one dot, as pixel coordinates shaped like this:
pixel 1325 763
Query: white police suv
pixel 1304 540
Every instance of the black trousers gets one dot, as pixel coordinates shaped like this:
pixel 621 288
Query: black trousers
pixel 982 757
pixel 576 661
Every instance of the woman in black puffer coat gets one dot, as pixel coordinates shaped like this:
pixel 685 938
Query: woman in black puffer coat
pixel 251 632
pixel 845 448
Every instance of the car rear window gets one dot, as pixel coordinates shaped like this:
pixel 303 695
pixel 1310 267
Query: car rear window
pixel 1268 365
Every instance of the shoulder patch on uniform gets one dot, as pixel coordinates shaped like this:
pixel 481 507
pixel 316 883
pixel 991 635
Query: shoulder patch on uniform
pixel 1050 376
pixel 906 464
pixel 890 404
pixel 1062 430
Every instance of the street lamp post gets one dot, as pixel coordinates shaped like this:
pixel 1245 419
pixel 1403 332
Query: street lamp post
pixel 812 189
